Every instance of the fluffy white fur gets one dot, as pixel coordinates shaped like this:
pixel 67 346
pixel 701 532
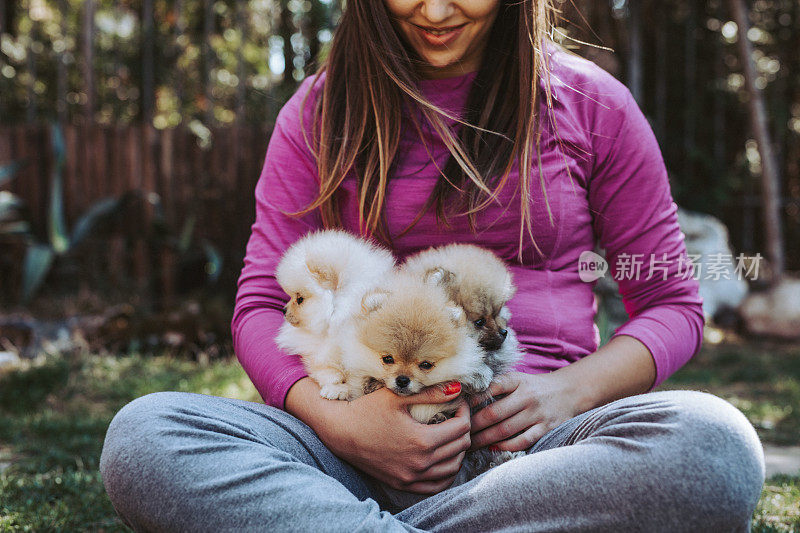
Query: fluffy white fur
pixel 326 275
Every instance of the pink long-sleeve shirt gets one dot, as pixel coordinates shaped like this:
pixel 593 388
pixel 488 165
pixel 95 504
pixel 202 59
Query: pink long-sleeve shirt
pixel 606 184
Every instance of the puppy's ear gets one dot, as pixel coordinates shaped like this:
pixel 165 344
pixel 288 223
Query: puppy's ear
pixel 457 315
pixel 373 301
pixel 325 275
pixel 439 276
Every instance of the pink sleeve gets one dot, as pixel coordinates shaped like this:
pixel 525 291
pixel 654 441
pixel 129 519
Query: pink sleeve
pixel 635 219
pixel 287 184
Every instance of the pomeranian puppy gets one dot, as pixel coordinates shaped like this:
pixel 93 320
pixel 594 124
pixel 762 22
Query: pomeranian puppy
pixel 481 284
pixel 410 336
pixel 326 275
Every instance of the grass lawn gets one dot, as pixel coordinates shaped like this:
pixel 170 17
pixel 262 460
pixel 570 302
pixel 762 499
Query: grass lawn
pixel 53 418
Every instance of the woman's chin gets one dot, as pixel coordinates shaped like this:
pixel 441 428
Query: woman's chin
pixel 440 67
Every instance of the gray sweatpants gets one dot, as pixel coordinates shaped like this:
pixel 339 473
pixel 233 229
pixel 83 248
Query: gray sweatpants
pixel 663 461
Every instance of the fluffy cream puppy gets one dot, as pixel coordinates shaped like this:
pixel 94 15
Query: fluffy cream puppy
pixel 326 275
pixel 410 336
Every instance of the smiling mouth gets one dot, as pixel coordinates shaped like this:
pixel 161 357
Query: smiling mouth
pixel 440 31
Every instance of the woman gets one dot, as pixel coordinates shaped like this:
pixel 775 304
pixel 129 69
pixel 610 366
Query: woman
pixel 547 155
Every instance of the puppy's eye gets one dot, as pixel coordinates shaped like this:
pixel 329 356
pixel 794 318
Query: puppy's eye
pixel 480 322
pixel 388 359
pixel 425 365
pixel 300 300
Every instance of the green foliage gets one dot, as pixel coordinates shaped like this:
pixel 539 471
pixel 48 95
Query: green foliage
pixel 10 222
pixel 25 390
pixel 186 244
pixel 11 204
pixel 243 47
pixel 40 257
pixel 53 419
pixel 38 261
pixel 7 172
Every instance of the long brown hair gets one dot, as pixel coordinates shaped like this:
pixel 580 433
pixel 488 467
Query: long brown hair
pixel 368 82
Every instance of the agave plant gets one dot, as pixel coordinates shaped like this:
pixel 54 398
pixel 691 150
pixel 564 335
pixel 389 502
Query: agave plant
pixel 61 240
pixel 11 221
pixel 11 204
pixel 40 256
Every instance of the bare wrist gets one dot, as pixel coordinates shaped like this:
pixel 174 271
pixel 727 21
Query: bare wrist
pixel 304 403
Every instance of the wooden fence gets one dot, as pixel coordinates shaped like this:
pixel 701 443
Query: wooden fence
pixel 208 178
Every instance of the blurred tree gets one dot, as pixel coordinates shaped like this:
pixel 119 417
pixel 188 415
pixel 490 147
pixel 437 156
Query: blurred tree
pixel 770 193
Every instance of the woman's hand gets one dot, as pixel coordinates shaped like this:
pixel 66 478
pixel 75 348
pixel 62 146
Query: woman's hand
pixel 534 404
pixel 537 403
pixel 376 434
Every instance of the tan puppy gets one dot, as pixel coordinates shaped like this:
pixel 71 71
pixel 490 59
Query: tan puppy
pixel 410 336
pixel 479 282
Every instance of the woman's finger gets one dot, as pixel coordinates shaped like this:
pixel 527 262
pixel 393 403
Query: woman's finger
pixel 437 435
pixel 444 470
pixel 503 430
pixel 501 387
pixel 523 441
pixel 436 394
pixel 504 383
pixel 451 449
pixel 498 411
pixel 428 487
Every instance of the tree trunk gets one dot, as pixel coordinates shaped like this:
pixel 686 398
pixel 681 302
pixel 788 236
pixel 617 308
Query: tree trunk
pixel 662 81
pixel 690 92
pixel 208 25
pixel 147 61
pixel 312 22
pixel 635 49
pixel 770 182
pixel 30 65
pixel 177 48
pixel 88 57
pixel 287 29
pixel 61 72
pixel 241 73
pixel 719 105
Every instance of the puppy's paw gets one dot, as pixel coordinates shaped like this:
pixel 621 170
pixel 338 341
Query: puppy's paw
pixel 438 418
pixel 335 391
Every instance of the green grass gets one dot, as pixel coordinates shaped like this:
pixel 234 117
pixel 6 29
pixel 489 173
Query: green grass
pixel 53 419
pixel 52 422
pixel 762 379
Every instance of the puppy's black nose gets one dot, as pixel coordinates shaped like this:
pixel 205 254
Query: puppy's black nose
pixel 402 381
pixel 503 332
pixel 283 310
